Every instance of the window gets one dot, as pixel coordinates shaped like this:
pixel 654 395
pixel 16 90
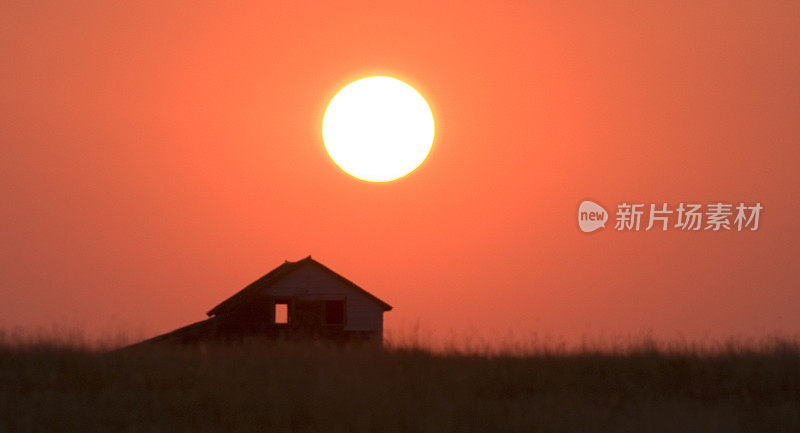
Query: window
pixel 334 312
pixel 281 313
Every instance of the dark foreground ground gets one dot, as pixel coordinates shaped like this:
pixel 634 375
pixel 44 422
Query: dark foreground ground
pixel 301 387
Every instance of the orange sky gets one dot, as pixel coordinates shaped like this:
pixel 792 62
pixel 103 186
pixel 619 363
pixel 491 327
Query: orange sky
pixel 156 159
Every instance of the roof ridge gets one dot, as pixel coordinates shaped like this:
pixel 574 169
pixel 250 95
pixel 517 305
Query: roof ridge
pixel 276 274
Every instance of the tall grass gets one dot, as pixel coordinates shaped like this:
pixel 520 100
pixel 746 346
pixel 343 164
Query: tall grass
pixel 66 385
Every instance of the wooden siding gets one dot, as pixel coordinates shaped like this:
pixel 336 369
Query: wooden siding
pixel 362 313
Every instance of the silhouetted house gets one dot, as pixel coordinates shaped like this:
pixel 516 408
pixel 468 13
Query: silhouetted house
pixel 296 300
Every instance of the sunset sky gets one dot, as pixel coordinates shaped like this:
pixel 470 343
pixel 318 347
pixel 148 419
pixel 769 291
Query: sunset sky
pixel 156 158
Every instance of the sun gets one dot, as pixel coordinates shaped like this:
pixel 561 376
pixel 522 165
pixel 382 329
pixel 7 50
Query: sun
pixel 378 129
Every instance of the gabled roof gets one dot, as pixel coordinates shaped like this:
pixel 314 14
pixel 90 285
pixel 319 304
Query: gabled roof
pixel 254 289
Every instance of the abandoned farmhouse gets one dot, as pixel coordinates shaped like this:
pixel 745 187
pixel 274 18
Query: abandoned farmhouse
pixel 297 300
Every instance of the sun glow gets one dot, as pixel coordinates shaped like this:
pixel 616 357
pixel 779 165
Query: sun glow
pixel 378 129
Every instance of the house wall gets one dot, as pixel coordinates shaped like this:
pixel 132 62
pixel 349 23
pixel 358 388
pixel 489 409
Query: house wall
pixel 362 313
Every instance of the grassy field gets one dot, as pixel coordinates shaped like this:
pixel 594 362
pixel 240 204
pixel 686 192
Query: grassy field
pixel 257 387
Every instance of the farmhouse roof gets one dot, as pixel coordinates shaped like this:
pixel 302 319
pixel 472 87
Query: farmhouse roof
pixel 254 289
